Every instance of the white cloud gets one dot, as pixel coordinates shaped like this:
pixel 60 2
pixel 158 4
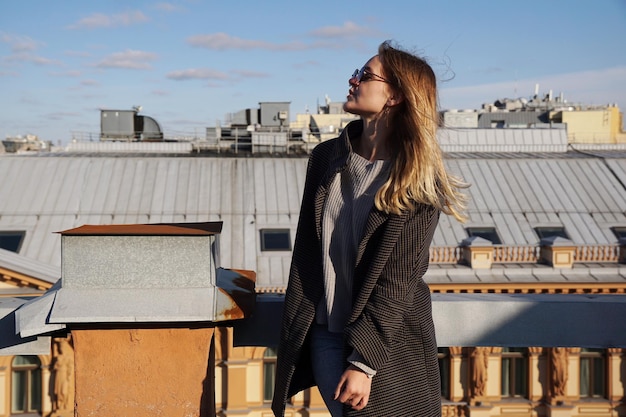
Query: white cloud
pixel 27 57
pixel 41 60
pixel 347 30
pixel 69 73
pixel 327 39
pixel 197 74
pixel 19 43
pixel 101 20
pixel 89 83
pixel 250 74
pixel 594 87
pixel 22 50
pixel 79 54
pixel 222 41
pixel 61 115
pixel 129 59
pixel 167 7
pixel 307 64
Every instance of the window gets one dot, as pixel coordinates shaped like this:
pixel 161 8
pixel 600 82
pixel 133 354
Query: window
pixel 269 373
pixel 619 231
pixel 544 232
pixel 488 233
pixel 26 386
pixel 275 240
pixel 443 354
pixel 11 240
pixel 514 373
pixel 592 373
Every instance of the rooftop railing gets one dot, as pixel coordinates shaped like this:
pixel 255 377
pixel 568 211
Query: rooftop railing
pixel 528 254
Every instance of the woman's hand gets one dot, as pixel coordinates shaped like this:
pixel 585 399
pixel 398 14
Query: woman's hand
pixel 354 388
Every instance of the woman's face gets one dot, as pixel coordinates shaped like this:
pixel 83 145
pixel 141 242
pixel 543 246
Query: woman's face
pixel 369 90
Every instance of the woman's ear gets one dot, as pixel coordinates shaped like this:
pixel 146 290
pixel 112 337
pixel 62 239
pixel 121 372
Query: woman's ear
pixel 395 99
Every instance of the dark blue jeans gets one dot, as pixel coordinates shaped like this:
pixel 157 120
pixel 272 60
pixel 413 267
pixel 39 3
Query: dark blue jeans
pixel 328 365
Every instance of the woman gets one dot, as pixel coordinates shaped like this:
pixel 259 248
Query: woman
pixel 357 319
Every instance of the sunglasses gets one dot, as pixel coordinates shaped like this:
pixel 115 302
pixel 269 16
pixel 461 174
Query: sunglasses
pixel 362 75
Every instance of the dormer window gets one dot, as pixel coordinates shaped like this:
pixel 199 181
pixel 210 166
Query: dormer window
pixel 488 233
pixel 619 232
pixel 11 240
pixel 544 232
pixel 275 240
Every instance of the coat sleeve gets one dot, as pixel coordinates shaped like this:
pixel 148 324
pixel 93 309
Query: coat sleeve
pixel 399 298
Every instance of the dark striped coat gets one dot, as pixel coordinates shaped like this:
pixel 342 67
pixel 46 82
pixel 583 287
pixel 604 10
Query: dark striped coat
pixel 391 322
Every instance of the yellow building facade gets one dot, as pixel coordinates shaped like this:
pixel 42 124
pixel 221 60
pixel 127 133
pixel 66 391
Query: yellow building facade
pixel 599 125
pixel 484 381
pixel 476 381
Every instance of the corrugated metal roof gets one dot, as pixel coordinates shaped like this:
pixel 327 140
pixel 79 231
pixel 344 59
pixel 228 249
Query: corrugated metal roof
pixel 52 194
pixel 517 195
pixel 503 140
pixel 512 192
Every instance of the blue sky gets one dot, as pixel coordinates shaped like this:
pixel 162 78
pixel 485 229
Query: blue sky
pixel 189 63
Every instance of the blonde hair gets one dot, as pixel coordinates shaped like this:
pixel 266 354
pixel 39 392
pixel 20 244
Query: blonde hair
pixel 418 174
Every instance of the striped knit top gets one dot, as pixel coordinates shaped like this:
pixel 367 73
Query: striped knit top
pixel 350 200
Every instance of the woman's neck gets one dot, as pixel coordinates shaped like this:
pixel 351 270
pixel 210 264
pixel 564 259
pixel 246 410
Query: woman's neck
pixel 373 144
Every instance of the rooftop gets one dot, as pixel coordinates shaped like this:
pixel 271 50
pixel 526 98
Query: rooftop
pixel 522 181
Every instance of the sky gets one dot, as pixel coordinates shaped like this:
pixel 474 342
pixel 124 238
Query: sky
pixel 191 63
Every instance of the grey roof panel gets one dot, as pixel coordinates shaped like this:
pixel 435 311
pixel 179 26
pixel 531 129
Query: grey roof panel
pixel 12 343
pixel 513 192
pixel 503 140
pixel 618 167
pixel 29 267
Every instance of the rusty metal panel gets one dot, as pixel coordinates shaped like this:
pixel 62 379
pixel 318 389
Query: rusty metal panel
pixel 153 229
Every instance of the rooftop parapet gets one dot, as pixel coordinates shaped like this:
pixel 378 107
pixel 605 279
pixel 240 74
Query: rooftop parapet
pixel 477 252
pixel 557 252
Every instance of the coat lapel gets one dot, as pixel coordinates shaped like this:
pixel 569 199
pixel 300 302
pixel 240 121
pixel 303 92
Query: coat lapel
pixel 337 162
pixel 374 220
pixel 322 192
